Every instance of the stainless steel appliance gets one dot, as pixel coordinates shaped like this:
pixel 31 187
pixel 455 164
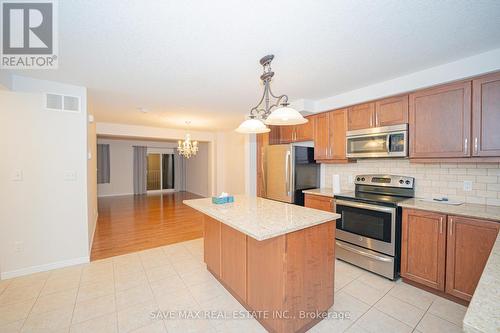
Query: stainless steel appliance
pixel 289 169
pixel 369 231
pixel 389 141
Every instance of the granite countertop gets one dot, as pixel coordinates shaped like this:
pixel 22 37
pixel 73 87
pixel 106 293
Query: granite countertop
pixel 483 314
pixel 261 218
pixel 326 192
pixel 465 209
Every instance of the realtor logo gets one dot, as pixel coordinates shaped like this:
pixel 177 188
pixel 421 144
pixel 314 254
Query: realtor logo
pixel 29 39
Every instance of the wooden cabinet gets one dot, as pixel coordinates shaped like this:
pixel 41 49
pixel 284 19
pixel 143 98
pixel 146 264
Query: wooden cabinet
pixel 262 143
pixel 440 121
pixel 361 116
pixel 446 253
pixel 469 243
pixel 233 260
pixel 423 248
pixel 212 241
pixel 274 135
pixel 305 132
pixel 330 136
pixel 391 111
pixel 486 115
pixel 287 134
pixel 318 202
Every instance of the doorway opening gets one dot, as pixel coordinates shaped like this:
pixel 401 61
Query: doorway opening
pixel 160 172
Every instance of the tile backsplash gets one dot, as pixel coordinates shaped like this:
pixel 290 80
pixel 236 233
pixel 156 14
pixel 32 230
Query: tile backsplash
pixel 431 180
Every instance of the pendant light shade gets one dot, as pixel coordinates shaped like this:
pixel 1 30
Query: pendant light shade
pixel 252 125
pixel 285 116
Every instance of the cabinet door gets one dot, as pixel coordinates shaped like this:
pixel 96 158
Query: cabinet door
pixel 486 115
pixel 274 135
pixel 391 111
pixel 287 134
pixel 338 128
pixel 469 245
pixel 318 202
pixel 423 248
pixel 305 131
pixel 234 260
pixel 212 244
pixel 361 116
pixel 321 136
pixel 440 121
pixel 262 142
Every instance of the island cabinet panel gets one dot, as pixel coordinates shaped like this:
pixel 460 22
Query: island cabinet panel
pixel 233 260
pixel 265 292
pixel 469 243
pixel 486 115
pixel 423 248
pixel 212 245
pixel 391 111
pixel 318 202
pixel 309 273
pixel 361 116
pixel 440 121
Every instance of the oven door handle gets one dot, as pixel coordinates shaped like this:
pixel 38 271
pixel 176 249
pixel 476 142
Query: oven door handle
pixel 364 254
pixel 362 205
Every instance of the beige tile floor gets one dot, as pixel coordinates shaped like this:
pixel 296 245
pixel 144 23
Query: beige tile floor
pixel 119 294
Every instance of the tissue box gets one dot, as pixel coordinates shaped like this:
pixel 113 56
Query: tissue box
pixel 222 200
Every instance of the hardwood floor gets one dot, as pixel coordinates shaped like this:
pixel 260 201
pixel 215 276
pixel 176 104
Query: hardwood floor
pixel 132 223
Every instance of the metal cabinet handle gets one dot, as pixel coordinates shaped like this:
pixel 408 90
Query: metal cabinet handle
pixel 287 172
pixel 466 148
pixel 376 119
pixel 475 144
pixel 440 225
pixel 451 226
pixel 362 253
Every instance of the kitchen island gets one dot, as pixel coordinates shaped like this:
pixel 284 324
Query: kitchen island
pixel 275 258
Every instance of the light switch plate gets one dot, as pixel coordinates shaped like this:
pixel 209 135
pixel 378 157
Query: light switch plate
pixel 69 175
pixel 467 185
pixel 17 175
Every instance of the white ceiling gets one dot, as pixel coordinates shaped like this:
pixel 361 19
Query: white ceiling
pixel 198 60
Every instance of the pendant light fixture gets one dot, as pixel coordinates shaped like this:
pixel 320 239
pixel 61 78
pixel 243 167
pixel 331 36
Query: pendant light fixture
pixel 187 148
pixel 262 114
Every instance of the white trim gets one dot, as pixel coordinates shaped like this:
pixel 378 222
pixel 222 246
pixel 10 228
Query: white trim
pixel 113 195
pixel 43 268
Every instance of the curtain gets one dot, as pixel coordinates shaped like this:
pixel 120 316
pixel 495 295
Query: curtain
pixel 140 169
pixel 179 172
pixel 103 174
pixel 168 171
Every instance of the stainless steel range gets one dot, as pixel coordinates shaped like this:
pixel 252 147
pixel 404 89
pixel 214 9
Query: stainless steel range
pixel 369 231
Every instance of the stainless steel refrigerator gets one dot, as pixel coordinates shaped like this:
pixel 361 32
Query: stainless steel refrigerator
pixel 289 169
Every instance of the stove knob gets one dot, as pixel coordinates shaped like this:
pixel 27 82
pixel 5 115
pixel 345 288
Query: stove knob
pixel 407 182
pixel 401 181
pixel 363 179
pixel 358 179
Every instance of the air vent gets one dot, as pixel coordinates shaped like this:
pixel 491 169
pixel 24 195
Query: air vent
pixel 65 103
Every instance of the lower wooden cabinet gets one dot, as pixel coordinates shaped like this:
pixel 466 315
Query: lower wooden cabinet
pixel 469 243
pixel 446 253
pixel 318 202
pixel 211 239
pixel 423 248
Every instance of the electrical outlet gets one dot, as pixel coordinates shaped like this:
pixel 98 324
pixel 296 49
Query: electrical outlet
pixel 17 175
pixel 467 185
pixel 18 246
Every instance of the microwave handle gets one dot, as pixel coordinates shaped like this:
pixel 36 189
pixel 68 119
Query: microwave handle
pixel 388 143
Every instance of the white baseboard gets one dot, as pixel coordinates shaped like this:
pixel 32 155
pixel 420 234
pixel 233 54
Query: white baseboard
pixel 43 268
pixel 113 195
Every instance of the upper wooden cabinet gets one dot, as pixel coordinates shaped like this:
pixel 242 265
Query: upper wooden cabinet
pixel 440 121
pixel 384 112
pixel 423 248
pixel 274 135
pixel 469 243
pixel 486 115
pixel 330 136
pixel 294 133
pixel 305 132
pixel 361 116
pixel 391 111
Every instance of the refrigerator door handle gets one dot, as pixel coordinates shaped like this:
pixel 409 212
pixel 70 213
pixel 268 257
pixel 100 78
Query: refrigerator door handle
pixel 287 173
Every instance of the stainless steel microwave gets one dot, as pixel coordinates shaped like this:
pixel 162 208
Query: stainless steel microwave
pixel 389 141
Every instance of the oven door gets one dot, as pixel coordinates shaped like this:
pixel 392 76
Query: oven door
pixel 367 225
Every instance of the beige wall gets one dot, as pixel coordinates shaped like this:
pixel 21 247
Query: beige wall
pixel 197 172
pixel 431 180
pixel 43 216
pixel 231 162
pixel 91 180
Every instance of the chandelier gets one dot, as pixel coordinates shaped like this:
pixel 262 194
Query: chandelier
pixel 262 114
pixel 187 148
